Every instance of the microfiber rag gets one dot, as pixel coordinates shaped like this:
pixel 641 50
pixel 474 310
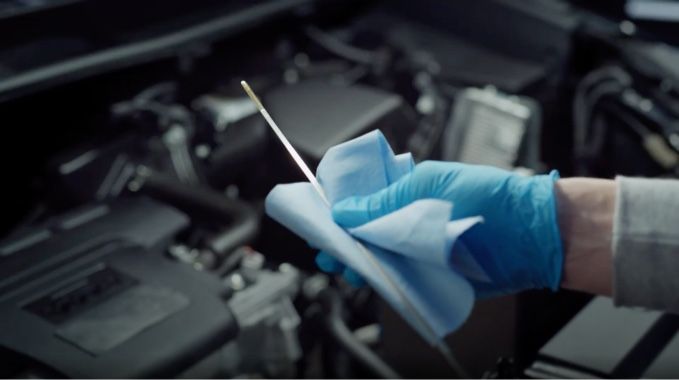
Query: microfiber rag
pixel 414 245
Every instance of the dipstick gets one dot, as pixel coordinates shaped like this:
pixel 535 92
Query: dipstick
pixel 427 328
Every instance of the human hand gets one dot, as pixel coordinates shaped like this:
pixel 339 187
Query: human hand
pixel 518 246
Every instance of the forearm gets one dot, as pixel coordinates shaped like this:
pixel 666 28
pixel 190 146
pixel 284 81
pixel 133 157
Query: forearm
pixel 586 208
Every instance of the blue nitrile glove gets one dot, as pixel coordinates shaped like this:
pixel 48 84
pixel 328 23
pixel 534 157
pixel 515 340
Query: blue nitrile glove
pixel 329 264
pixel 518 246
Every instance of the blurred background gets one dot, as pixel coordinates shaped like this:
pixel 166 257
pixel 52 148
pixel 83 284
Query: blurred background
pixel 135 169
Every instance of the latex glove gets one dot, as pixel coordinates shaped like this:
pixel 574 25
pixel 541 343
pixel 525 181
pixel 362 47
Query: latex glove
pixel 519 244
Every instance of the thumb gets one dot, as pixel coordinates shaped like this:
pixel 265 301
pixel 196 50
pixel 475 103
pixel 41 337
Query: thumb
pixel 355 211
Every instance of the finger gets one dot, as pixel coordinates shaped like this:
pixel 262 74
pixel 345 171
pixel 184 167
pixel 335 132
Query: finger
pixel 355 211
pixel 421 183
pixel 353 278
pixel 329 264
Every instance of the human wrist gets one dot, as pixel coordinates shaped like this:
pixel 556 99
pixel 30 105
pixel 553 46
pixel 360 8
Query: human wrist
pixel 585 209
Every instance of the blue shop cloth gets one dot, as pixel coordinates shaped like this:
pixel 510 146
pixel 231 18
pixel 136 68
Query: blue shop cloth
pixel 416 245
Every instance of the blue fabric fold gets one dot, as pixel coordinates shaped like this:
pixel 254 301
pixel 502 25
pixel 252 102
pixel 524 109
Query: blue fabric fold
pixel 417 245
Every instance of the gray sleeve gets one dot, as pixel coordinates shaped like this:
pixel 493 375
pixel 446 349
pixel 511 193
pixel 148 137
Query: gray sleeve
pixel 646 244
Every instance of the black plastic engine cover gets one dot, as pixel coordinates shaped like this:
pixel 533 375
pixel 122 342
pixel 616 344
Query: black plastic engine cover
pixel 90 294
pixel 316 115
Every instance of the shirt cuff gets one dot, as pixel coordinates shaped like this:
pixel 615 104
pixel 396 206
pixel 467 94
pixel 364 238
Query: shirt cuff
pixel 646 244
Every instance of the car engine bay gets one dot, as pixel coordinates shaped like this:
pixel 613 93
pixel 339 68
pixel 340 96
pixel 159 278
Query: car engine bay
pixel 135 242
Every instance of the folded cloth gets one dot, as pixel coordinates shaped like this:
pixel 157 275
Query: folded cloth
pixel 415 245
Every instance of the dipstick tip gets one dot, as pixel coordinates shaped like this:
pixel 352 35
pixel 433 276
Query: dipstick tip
pixel 251 94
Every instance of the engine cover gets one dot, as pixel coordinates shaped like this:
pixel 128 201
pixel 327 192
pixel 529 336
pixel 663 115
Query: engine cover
pixel 91 295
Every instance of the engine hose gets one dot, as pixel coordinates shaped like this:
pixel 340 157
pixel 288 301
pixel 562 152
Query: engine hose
pixel 204 203
pixel 333 307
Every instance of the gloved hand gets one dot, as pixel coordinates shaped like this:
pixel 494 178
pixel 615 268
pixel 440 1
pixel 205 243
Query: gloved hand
pixel 518 245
